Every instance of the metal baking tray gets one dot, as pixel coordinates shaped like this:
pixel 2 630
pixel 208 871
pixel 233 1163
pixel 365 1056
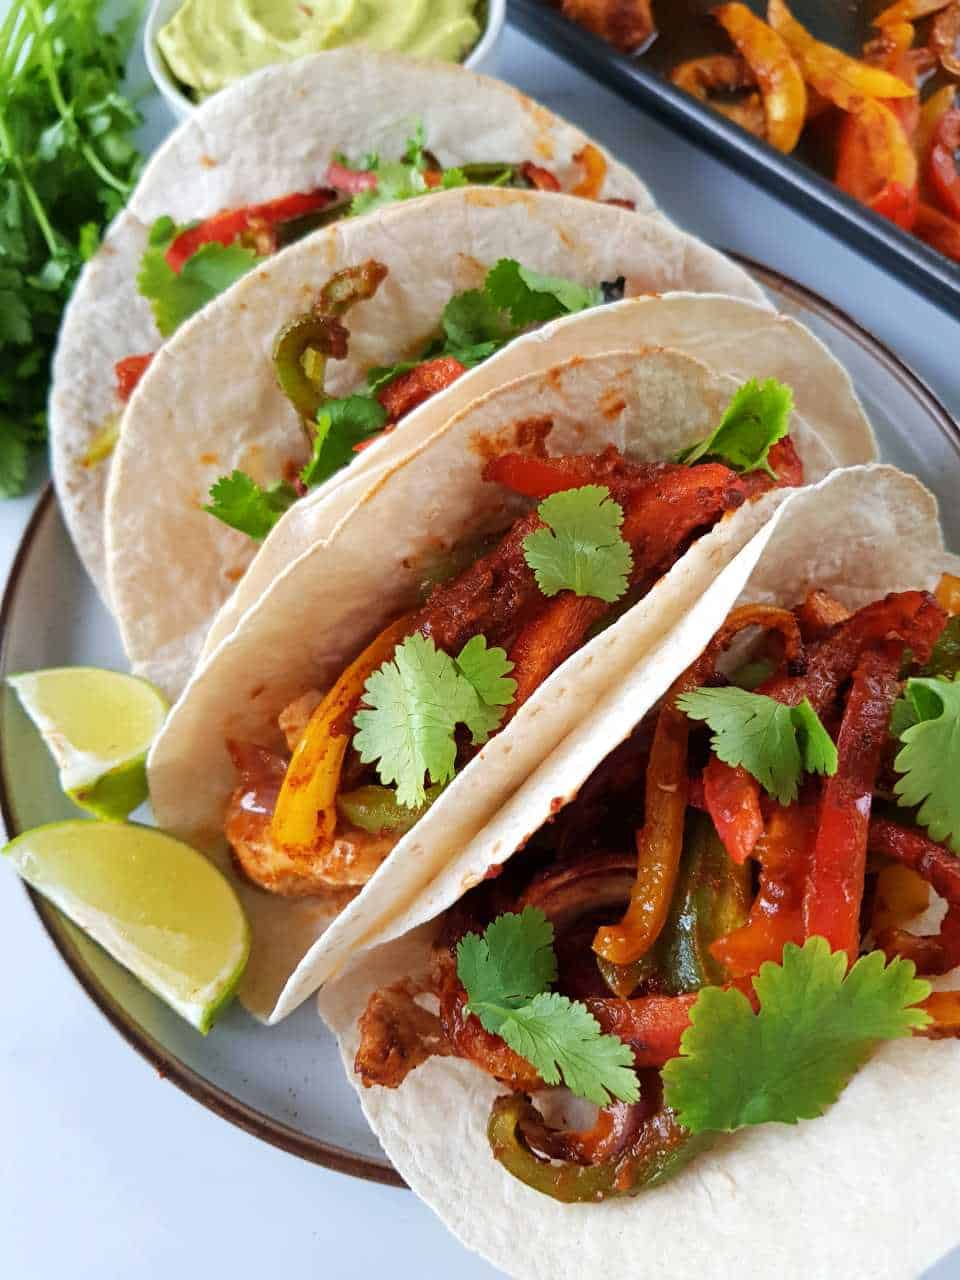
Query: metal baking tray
pixel 634 77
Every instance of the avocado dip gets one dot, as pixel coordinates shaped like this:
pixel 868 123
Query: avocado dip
pixel 209 44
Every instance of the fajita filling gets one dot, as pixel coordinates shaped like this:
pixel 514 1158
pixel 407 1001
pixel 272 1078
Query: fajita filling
pixel 374 752
pixel 713 934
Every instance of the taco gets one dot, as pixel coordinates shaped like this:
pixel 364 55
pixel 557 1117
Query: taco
pixel 502 575
pixel 291 148
pixel 716 911
pixel 400 317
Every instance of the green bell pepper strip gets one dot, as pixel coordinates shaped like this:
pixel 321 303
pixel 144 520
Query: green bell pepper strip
pixel 662 1149
pixel 375 809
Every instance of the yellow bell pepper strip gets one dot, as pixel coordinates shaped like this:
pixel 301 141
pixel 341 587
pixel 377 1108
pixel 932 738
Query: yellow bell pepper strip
pixel 901 895
pixel 908 11
pixel 877 165
pixel 303 346
pixel 948 593
pixel 661 1149
pixel 306 811
pixel 769 58
pixel 931 113
pixel 723 73
pixel 594 166
pixel 844 80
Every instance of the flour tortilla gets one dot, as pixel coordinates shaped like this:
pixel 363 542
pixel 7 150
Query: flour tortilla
pixel 731 335
pixel 318 613
pixel 210 403
pixel 270 135
pixel 869 1191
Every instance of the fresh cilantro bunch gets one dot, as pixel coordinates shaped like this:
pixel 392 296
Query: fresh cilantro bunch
pixel 773 742
pixel 414 703
pixel 507 974
pixel 582 549
pixel 174 296
pixel 927 721
pixel 816 1026
pixel 67 165
pixel 757 416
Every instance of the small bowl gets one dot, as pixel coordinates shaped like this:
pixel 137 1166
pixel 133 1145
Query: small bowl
pixel 482 57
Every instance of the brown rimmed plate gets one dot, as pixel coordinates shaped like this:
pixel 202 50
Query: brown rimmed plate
pixel 285 1084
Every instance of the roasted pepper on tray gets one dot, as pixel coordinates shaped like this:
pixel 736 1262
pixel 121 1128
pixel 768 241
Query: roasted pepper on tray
pixel 776 71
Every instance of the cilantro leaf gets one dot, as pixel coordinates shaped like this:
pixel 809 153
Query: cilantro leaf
pixel 173 296
pixel 757 417
pixel 505 974
pixel 582 550
pixel 930 757
pixel 791 1060
pixel 413 153
pixel 773 742
pixel 241 503
pixel 413 704
pixel 471 318
pixel 532 298
pixel 341 424
pixel 395 181
pixel 13 461
pixel 508 966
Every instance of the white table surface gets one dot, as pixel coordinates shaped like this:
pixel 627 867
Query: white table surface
pixel 107 1172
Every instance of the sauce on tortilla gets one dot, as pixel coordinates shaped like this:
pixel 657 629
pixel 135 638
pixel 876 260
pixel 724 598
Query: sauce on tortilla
pixel 209 44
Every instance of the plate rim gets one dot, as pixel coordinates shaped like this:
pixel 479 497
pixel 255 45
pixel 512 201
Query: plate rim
pixel 166 1064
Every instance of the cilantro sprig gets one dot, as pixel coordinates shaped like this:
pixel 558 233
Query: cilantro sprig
pixel 582 549
pixel 507 974
pixel 414 703
pixel 240 502
pixel 816 1026
pixel 773 742
pixel 757 416
pixel 67 165
pixel 174 296
pixel 927 721
pixel 401 179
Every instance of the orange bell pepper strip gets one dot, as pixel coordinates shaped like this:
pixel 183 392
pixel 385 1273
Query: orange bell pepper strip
pixel 844 80
pixel 732 799
pixel 306 810
pixel 660 839
pixel 876 163
pixel 902 894
pixel 834 889
pixel 944 1010
pixel 948 593
pixel 594 166
pixel 724 74
pixel 776 916
pixel 938 231
pixel 942 173
pixel 909 11
pixel 769 58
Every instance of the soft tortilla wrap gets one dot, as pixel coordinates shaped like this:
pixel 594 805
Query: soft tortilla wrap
pixel 326 605
pixel 273 134
pixel 210 403
pixel 867 1191
pixel 732 335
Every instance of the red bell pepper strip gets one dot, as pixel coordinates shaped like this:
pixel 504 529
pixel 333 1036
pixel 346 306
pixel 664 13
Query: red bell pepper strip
pixel 942 171
pixel 776 916
pixel 938 231
pixel 128 372
pixel 834 891
pixel 230 224
pixel 410 389
pixel 351 181
pixel 876 163
pixel 539 177
pixel 651 1025
pixel 944 1008
pixel 776 71
pixel 917 851
pixel 732 798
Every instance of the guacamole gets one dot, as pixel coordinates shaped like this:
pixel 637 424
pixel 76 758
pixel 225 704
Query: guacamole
pixel 211 43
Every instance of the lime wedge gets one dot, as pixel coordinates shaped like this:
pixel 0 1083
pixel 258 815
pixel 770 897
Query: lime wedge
pixel 98 726
pixel 158 906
